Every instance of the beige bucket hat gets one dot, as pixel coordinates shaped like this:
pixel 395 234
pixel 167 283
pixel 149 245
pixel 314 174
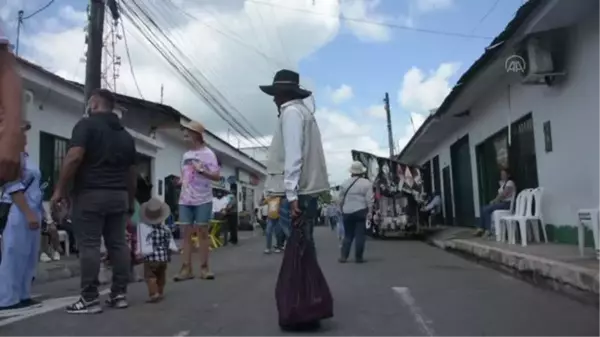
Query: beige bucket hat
pixel 154 211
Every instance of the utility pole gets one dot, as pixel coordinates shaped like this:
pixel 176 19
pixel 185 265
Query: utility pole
pixel 19 24
pixel 95 31
pixel 388 115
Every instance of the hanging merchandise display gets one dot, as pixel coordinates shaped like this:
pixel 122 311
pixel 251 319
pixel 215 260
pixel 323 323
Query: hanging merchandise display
pixel 397 189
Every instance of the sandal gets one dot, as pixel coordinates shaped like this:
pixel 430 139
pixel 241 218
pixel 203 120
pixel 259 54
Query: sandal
pixel 184 274
pixel 206 274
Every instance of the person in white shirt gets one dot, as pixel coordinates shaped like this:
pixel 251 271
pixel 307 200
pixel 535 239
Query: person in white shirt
pixel 296 166
pixel 356 203
pixel 431 207
pixel 503 199
pixel 11 143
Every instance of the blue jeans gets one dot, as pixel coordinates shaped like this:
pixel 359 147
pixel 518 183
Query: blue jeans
pixel 308 207
pixel 274 227
pixel 198 215
pixel 355 228
pixel 485 219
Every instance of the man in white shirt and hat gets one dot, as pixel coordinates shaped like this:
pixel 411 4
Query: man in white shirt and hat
pixel 296 168
pixel 11 91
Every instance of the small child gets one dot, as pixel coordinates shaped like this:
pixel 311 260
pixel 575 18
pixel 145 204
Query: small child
pixel 153 214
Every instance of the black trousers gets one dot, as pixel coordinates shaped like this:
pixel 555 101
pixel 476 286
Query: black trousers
pixel 230 234
pixel 97 214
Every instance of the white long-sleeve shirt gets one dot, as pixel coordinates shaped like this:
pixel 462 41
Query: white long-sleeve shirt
pixel 292 143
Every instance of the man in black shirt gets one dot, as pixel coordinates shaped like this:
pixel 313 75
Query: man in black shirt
pixel 101 164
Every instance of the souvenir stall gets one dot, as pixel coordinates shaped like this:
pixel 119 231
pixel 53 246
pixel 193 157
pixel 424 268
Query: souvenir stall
pixel 397 189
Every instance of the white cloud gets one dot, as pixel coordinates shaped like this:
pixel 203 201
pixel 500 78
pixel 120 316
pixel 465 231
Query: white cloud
pixel 342 94
pixel 420 93
pixel 363 11
pixel 377 111
pixel 431 5
pixel 235 47
pixel 341 134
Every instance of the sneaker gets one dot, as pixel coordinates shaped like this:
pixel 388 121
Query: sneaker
pixel 84 307
pixel 28 303
pixel 277 250
pixel 56 256
pixel 117 302
pixel 45 258
pixel 267 251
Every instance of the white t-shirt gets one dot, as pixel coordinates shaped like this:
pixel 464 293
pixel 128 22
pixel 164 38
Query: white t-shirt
pixel 504 185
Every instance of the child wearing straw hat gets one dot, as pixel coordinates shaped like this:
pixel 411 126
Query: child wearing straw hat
pixel 153 214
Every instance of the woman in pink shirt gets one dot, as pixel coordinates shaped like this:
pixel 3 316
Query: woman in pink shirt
pixel 199 168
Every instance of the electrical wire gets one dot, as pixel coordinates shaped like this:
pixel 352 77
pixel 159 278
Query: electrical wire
pixel 41 9
pixel 137 86
pixel 485 15
pixel 371 22
pixel 148 27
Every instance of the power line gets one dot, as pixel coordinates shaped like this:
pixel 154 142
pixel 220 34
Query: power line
pixel 378 23
pixel 146 25
pixel 41 9
pixel 137 86
pixel 486 15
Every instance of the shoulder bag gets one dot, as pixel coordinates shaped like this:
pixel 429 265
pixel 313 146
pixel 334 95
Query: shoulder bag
pixel 345 194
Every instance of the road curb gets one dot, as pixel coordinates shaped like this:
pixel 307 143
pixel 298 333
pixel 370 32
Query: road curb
pixel 57 272
pixel 570 279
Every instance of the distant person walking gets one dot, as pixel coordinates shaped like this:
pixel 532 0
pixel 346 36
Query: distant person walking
pixel 101 164
pixel 11 91
pixel 356 201
pixel 199 167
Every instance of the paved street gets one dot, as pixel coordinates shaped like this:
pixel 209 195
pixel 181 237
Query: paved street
pixel 406 288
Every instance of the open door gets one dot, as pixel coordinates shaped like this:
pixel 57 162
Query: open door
pixel 448 215
pixel 462 180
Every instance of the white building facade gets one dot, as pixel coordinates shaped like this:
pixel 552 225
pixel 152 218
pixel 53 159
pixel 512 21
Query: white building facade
pixel 547 134
pixel 53 105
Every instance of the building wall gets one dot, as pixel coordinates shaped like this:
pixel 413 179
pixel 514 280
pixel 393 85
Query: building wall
pixel 568 174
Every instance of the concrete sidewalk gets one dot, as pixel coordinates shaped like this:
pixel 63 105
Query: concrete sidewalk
pixel 554 265
pixel 68 267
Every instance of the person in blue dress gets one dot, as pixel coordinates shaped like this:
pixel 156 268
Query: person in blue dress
pixel 21 237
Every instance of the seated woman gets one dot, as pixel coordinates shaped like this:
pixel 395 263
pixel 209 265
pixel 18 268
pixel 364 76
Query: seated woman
pixel 502 201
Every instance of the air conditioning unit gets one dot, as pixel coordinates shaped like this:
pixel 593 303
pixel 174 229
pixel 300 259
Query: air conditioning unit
pixel 539 64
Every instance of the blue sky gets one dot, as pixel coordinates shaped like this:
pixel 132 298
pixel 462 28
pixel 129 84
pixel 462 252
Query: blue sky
pixel 331 53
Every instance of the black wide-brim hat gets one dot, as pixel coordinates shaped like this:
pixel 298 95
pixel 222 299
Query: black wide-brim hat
pixel 285 82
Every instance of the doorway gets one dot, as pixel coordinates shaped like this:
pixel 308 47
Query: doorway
pixel 436 175
pixel 448 216
pixel 462 180
pixel 427 177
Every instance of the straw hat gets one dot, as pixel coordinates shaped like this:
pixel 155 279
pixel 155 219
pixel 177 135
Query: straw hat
pixel 154 212
pixel 194 126
pixel 357 168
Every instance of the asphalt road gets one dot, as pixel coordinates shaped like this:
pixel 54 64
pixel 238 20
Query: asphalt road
pixel 405 288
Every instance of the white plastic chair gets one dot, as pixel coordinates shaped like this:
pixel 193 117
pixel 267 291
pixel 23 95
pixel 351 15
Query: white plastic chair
pixel 589 218
pixel 63 236
pixel 499 227
pixel 530 216
pixel 506 221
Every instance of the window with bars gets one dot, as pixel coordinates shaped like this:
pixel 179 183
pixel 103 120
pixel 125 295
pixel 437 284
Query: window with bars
pixel 52 153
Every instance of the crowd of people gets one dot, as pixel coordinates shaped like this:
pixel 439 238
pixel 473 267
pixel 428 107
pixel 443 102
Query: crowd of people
pixel 97 188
